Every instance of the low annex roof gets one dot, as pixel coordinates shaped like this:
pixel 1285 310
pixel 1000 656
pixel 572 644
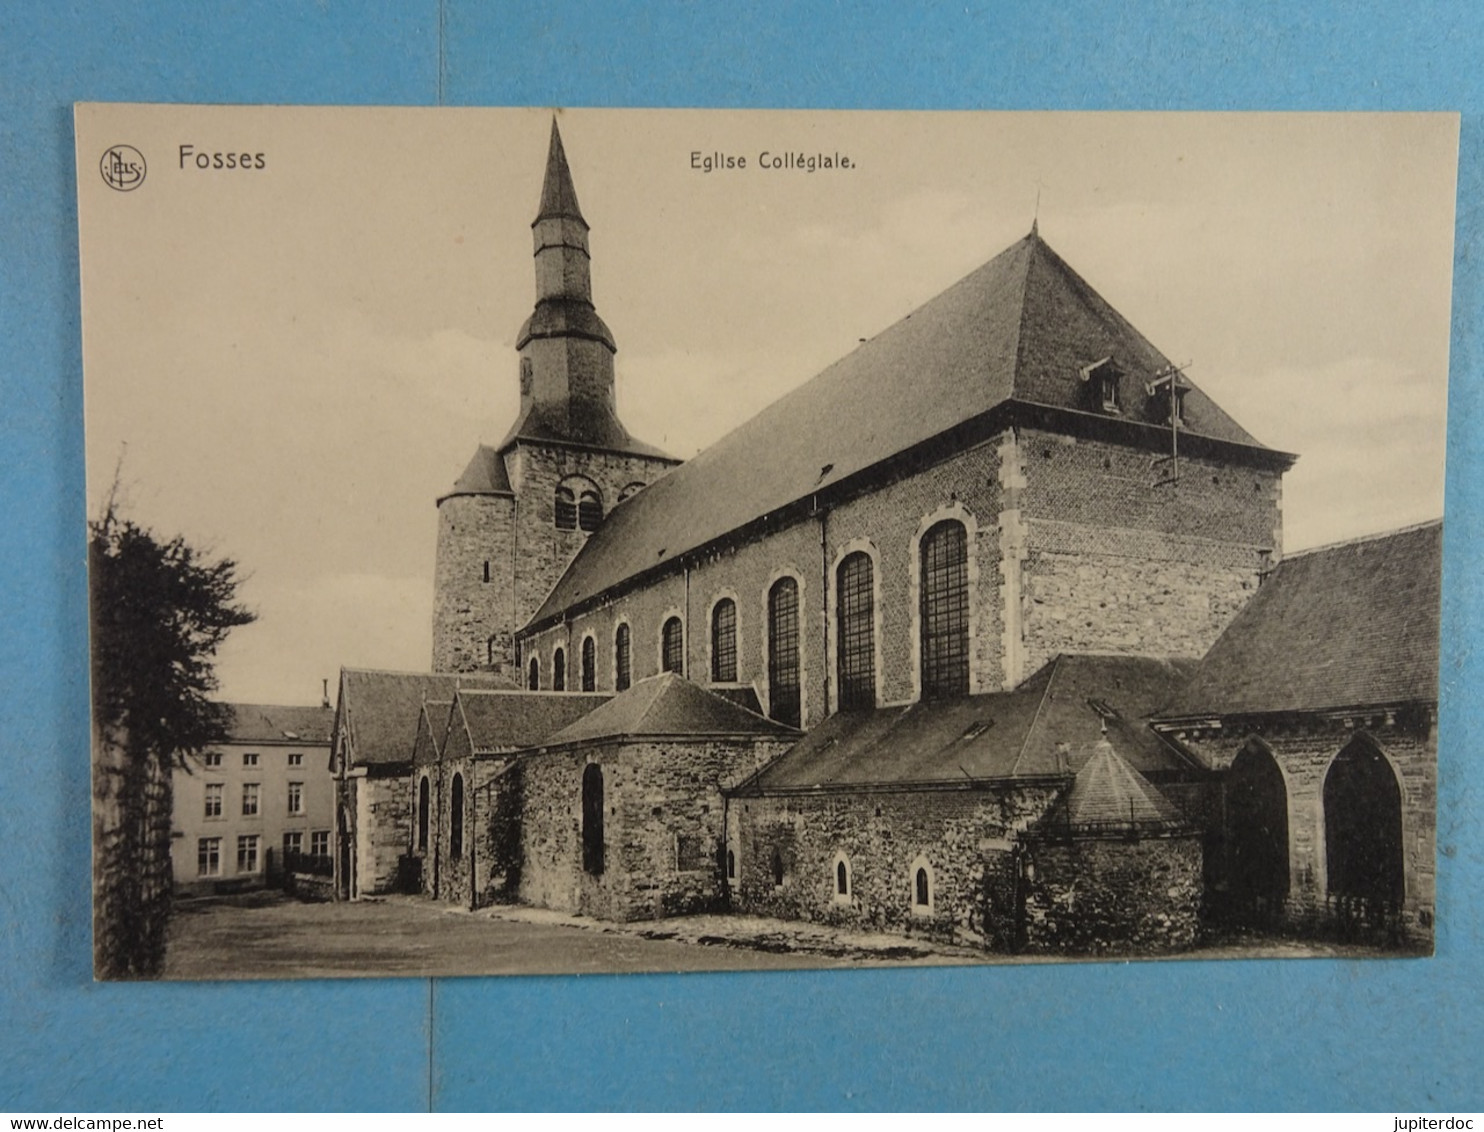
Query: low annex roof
pixel 379 711
pixel 1019 330
pixel 484 475
pixel 513 720
pixel 1048 726
pixel 276 723
pixel 1340 626
pixel 667 705
pixel 1109 793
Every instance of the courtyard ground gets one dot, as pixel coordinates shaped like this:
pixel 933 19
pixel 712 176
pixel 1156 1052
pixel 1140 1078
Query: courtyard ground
pixel 264 935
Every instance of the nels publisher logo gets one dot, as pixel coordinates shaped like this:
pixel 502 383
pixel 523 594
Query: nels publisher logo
pixel 122 168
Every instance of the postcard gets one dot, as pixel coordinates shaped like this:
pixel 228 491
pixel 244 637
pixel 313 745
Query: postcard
pixel 534 541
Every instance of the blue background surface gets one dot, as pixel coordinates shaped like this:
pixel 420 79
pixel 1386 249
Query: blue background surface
pixel 1316 1034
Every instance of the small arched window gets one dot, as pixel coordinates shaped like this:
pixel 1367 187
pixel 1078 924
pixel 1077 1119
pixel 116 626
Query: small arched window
pixel 672 647
pixel 922 886
pixel 489 652
pixel 566 509
pixel 944 610
pixel 422 815
pixel 724 641
pixel 592 819
pixel 622 664
pixel 559 671
pixel 629 490
pixel 533 675
pixel 731 865
pixel 856 647
pixel 589 510
pixel 842 879
pixel 589 665
pixel 456 817
pixel 777 864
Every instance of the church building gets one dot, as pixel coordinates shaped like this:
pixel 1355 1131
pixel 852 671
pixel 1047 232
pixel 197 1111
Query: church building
pixel 885 655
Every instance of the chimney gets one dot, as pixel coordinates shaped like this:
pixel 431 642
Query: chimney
pixel 324 696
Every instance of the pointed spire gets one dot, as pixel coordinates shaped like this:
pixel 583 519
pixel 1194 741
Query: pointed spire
pixel 558 196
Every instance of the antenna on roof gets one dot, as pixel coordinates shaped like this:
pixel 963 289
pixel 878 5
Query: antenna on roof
pixel 1173 377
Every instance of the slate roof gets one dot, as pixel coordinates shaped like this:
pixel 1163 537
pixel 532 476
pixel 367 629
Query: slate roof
pixel 485 475
pixel 1047 727
pixel 1340 626
pixel 432 731
pixel 1016 332
pixel 380 710
pixel 1108 793
pixel 499 721
pixel 663 706
pixel 558 194
pixel 275 723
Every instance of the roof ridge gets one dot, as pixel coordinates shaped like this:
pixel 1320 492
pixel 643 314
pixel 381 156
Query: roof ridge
pixel 1025 286
pixel 1025 740
pixel 1376 536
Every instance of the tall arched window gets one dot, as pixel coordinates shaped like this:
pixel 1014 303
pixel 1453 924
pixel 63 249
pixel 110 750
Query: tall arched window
pixel 566 509
pixel 783 652
pixel 724 641
pixel 856 647
pixel 456 817
pixel 422 815
pixel 533 676
pixel 944 609
pixel 589 665
pixel 622 662
pixel 672 647
pixel 589 510
pixel 592 819
pixel 559 671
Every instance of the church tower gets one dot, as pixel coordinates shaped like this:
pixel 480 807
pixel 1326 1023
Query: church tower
pixel 523 508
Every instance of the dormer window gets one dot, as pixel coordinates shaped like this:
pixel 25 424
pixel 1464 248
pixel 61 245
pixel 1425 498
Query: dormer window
pixel 1167 397
pixel 1102 378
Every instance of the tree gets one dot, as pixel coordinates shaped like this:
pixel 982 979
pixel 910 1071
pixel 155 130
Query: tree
pixel 159 613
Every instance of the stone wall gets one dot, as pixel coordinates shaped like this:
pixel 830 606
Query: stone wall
pixel 1305 748
pixel 1110 895
pixel 966 838
pixel 473 598
pixel 663 827
pixel 382 824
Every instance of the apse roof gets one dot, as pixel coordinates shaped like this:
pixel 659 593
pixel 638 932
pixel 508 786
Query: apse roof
pixel 667 705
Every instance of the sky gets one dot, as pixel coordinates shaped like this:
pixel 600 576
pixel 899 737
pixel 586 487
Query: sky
pixel 289 364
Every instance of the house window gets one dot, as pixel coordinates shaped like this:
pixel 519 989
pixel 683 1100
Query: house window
pixel 724 642
pixel 214 799
pixel 319 843
pixel 559 671
pixel 533 676
pixel 783 652
pixel 589 510
pixel 672 647
pixel 945 611
pixel 293 845
pixel 423 804
pixel 296 760
pixel 857 632
pixel 922 886
pixel 296 797
pixel 589 665
pixel 209 857
pixel 247 853
pixel 592 819
pixel 249 760
pixel 249 799
pixel 566 509
pixel 622 674
pixel 212 758
pixel 456 817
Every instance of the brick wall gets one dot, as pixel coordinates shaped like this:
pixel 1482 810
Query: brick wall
pixel 1100 895
pixel 663 826
pixel 966 839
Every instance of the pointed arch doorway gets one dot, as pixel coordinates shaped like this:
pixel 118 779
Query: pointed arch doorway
pixel 1363 834
pixel 1256 826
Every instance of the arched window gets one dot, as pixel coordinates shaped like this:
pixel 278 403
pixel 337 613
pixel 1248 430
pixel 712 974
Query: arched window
pixel 724 641
pixel 783 652
pixel 922 886
pixel 622 664
pixel 944 611
pixel 629 490
pixel 592 819
pixel 731 864
pixel 856 648
pixel 422 815
pixel 589 665
pixel 456 817
pixel 777 864
pixel 672 647
pixel 489 652
pixel 589 510
pixel 566 509
pixel 842 879
pixel 533 675
pixel 559 671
